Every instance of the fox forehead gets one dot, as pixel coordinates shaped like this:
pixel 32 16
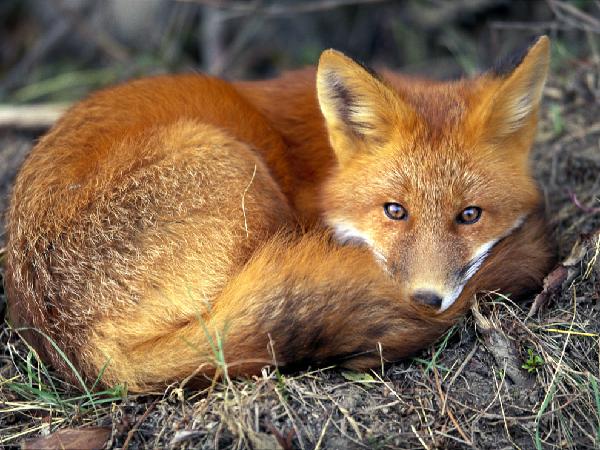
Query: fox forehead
pixel 433 174
pixel 441 106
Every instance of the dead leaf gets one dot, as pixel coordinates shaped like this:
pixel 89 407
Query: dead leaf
pixel 566 271
pixel 553 281
pixel 71 439
pixel 359 377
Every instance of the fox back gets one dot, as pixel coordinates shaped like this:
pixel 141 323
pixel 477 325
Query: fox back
pixel 177 227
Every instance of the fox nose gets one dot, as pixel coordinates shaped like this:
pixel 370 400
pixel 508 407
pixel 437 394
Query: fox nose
pixel 427 298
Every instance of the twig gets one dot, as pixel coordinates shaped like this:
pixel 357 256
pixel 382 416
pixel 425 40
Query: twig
pixel 529 26
pixel 499 386
pixel 100 38
pixel 593 259
pixel 212 41
pixel 550 391
pixel 41 48
pixel 459 429
pixel 323 431
pixel 68 20
pixel 348 417
pixel 501 347
pixel 450 415
pixel 457 373
pixel 492 416
pixel 31 116
pixel 292 419
pixel 552 282
pixel 414 430
pixel 236 50
pixel 585 209
pixel 574 16
pixel 138 423
pixel 454 438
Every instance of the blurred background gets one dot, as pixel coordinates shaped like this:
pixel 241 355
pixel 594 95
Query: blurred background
pixel 58 50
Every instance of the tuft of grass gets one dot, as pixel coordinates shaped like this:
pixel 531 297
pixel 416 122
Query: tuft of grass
pixel 433 362
pixel 61 85
pixel 594 387
pixel 35 391
pixel 533 361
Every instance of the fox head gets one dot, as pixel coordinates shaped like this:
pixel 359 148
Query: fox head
pixel 430 176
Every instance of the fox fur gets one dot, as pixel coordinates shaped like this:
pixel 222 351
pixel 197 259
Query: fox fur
pixel 175 226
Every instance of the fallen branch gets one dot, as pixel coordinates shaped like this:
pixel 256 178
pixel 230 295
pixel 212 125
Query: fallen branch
pixel 31 116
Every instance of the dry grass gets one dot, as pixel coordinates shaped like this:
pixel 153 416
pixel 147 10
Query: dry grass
pixel 498 379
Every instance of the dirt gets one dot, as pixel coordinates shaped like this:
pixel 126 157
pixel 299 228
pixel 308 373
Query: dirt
pixel 481 386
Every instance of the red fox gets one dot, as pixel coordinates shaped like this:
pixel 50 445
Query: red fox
pixel 177 226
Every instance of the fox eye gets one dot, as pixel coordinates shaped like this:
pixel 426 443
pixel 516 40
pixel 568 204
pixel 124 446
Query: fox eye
pixel 395 211
pixel 469 215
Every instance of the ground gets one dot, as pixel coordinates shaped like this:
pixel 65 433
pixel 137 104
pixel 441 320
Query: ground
pixel 507 375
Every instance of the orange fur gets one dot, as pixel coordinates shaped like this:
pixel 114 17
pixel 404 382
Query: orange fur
pixel 167 215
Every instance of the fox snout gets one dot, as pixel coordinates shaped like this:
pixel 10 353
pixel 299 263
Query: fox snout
pixel 429 298
pixel 439 296
pixel 443 283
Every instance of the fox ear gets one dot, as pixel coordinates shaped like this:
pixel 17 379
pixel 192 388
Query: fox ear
pixel 357 106
pixel 514 106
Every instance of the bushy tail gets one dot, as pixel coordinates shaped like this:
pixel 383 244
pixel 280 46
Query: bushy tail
pixel 297 302
pixel 312 301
